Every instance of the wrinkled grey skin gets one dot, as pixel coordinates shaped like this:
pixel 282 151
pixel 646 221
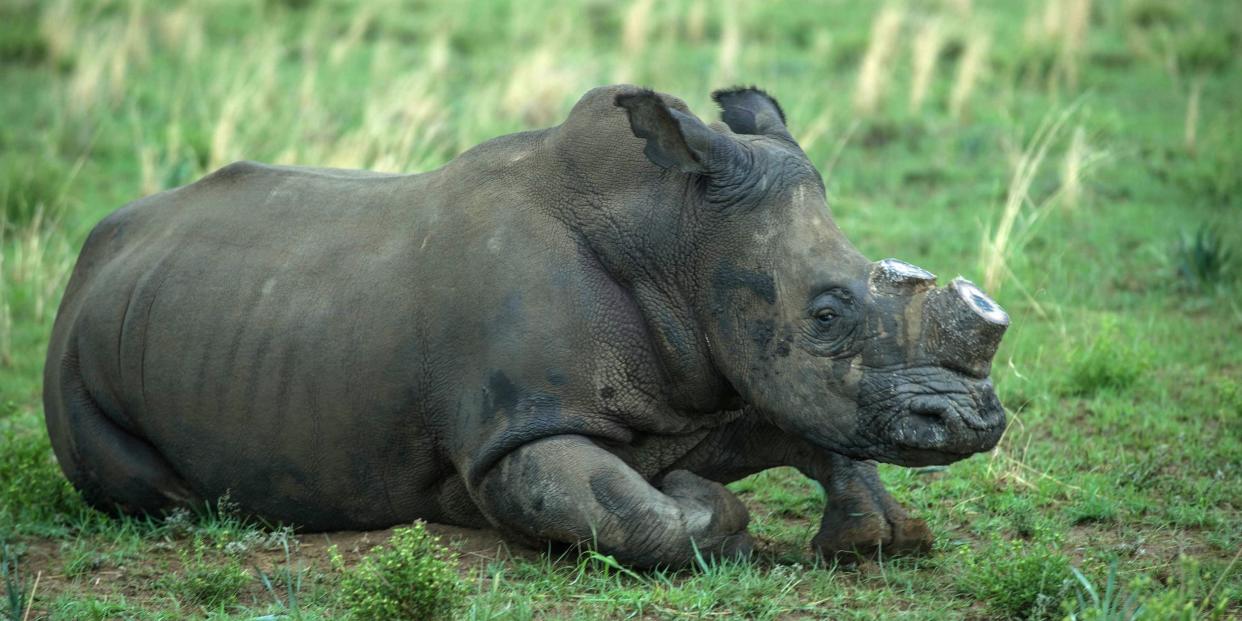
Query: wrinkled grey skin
pixel 571 335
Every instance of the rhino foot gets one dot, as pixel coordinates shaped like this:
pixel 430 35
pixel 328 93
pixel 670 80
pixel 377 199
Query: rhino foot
pixel 568 489
pixel 716 519
pixel 738 546
pixel 861 520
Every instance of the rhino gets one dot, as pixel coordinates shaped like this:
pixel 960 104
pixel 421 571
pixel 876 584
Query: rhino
pixel 574 335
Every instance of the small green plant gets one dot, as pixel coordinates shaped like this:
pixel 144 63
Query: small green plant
pixel 1202 258
pixel 1093 508
pixel 1181 600
pixel 79 559
pixel 15 588
pixel 205 582
pixel 410 577
pixel 1110 361
pixel 287 576
pixel 1016 578
pixel 1111 605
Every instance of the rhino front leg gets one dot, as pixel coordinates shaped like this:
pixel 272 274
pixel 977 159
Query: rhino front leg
pixel 861 519
pixel 568 489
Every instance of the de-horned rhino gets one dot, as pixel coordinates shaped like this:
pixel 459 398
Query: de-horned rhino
pixel 575 335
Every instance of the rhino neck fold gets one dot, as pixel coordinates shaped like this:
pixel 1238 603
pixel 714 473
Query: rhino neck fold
pixel 637 226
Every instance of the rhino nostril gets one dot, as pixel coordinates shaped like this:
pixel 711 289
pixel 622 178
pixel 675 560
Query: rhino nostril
pixel 932 411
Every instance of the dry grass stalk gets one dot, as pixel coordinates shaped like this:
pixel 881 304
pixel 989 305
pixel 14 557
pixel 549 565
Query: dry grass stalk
pixel 402 122
pixel 696 22
pixel 1063 24
pixel 348 42
pixel 439 54
pixel 539 87
pixel 224 148
pixel 1076 18
pixel 842 143
pixel 926 51
pixel 730 47
pixel 132 51
pixel 6 311
pixel 59 28
pixel 876 64
pixel 1074 36
pixel 1071 172
pixel 245 97
pixel 384 61
pixel 1053 17
pixel 999 246
pixel 181 31
pixel 635 27
pixel 148 167
pixel 969 71
pixel 1079 160
pixel 40 261
pixel 158 157
pixel 308 92
pixel 6 330
pixel 1191 131
pixel 83 91
pixel 962 7
pixel 103 57
pixel 815 130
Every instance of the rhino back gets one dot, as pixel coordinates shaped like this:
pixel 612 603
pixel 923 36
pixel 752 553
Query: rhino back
pixel 324 345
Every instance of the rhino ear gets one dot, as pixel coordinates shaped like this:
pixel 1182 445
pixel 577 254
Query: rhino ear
pixel 673 137
pixel 749 110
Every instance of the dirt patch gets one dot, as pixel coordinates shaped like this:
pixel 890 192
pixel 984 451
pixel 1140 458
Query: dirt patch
pixel 1155 550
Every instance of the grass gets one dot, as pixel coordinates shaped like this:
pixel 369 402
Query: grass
pixel 1017 578
pixel 411 576
pixel 16 601
pixel 202 582
pixel 284 583
pixel 1203 259
pixel 1079 157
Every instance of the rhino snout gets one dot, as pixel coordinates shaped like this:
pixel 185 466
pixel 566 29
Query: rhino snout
pixel 942 428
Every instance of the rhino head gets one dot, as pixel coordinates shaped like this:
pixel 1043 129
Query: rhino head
pixel 867 359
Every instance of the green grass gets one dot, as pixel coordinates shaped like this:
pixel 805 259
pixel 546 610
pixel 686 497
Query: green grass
pixel 206 581
pixel 1116 257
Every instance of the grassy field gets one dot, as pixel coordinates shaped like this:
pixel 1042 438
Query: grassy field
pixel 1078 158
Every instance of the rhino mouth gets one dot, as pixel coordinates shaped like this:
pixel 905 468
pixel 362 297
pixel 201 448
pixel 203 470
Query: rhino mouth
pixel 933 427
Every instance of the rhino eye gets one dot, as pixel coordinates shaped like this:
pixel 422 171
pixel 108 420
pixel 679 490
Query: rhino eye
pixel 829 306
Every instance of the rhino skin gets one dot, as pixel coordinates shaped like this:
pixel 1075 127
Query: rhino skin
pixel 572 335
